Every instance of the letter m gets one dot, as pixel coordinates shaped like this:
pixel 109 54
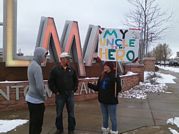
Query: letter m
pixel 48 38
pixel 110 32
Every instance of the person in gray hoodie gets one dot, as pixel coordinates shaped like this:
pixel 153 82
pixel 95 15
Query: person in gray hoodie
pixel 35 96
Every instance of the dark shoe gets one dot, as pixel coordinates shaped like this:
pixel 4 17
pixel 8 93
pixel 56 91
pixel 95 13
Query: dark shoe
pixel 71 132
pixel 59 132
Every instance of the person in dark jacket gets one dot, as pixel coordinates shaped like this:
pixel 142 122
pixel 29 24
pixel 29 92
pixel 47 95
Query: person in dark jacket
pixel 108 87
pixel 35 96
pixel 63 82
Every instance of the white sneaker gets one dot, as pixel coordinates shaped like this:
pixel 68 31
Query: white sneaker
pixel 105 130
pixel 113 132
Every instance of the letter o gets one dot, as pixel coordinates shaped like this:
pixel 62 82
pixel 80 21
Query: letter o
pixel 128 55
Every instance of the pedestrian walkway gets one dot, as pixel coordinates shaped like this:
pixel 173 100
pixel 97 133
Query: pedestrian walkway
pixel 135 116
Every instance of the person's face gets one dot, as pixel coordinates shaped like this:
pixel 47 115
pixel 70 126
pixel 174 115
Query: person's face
pixel 106 69
pixel 65 61
pixel 44 60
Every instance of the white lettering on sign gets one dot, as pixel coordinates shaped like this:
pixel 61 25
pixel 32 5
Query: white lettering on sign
pixel 6 93
pixel 17 90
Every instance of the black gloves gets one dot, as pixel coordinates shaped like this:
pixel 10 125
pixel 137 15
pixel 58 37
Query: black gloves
pixel 90 85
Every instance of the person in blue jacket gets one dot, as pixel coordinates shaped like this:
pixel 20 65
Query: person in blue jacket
pixel 108 86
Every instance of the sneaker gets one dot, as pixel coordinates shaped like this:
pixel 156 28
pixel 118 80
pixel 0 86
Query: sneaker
pixel 113 132
pixel 105 130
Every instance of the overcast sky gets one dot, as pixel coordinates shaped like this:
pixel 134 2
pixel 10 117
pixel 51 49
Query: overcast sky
pixel 106 13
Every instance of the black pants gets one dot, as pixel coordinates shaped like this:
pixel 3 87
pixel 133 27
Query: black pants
pixel 36 112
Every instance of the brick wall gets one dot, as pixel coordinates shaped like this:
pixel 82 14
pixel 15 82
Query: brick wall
pixel 20 73
pixel 135 68
pixel 149 63
pixel 129 81
pixel 12 94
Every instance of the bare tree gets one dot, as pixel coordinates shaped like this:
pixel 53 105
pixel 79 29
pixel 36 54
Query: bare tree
pixel 158 52
pixel 148 17
pixel 167 52
pixel 162 52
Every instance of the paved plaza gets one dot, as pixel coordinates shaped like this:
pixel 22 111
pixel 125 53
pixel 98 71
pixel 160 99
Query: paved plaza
pixel 135 116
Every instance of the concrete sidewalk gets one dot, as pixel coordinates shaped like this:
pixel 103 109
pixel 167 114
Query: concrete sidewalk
pixel 134 116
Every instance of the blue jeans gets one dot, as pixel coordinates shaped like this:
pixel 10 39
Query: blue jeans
pixel 61 100
pixel 109 111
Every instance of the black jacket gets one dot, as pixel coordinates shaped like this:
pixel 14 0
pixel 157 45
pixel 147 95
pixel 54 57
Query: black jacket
pixel 106 88
pixel 63 80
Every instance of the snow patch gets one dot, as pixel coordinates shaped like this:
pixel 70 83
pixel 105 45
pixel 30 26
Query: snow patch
pixel 173 131
pixel 140 91
pixel 173 69
pixel 173 121
pixel 8 125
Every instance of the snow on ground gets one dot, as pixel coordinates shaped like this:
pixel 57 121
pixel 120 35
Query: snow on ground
pixel 140 91
pixel 173 131
pixel 173 69
pixel 8 125
pixel 173 121
pixel 164 78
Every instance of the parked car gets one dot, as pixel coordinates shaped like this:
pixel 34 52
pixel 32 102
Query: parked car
pixel 173 63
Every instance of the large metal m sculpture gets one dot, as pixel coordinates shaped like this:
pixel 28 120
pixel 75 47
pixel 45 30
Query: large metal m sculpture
pixel 48 38
pixel 114 44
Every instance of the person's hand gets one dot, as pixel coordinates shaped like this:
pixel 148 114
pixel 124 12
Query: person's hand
pixel 104 72
pixel 90 85
pixel 75 89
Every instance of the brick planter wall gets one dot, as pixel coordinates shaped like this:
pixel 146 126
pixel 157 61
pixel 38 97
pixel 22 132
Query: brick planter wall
pixel 129 81
pixel 12 94
pixel 135 68
pixel 149 63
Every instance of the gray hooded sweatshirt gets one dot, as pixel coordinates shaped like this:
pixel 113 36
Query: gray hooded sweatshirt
pixel 35 77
